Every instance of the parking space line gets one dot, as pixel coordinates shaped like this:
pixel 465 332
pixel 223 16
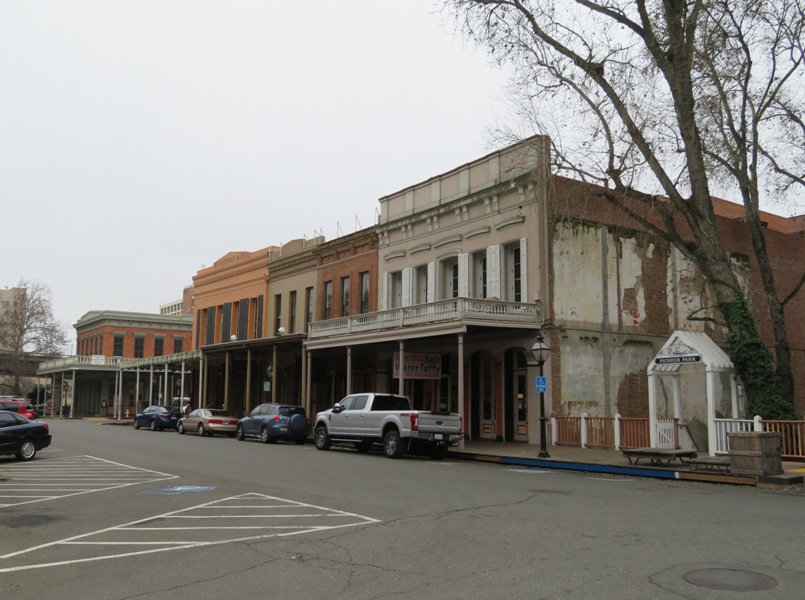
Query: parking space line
pixel 300 518
pixel 63 477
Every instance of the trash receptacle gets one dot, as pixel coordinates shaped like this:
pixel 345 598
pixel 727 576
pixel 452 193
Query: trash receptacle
pixel 756 453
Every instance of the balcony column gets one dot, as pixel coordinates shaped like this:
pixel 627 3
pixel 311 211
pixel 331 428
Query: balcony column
pixel 460 400
pixel 136 393
pixel 307 370
pixel 151 388
pixel 247 397
pixel 201 366
pixel 227 369
pixel 165 390
pixel 402 368
pixel 349 370
pixel 274 374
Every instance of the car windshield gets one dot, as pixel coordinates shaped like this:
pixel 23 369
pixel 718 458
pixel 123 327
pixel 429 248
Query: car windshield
pixel 214 412
pixel 287 411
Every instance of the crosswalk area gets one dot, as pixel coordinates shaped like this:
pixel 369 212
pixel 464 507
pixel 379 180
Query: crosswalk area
pixel 244 518
pixel 42 480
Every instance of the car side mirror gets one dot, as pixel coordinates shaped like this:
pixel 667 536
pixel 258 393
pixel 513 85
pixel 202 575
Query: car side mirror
pixel 337 408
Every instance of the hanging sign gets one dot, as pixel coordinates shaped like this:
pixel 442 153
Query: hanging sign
pixel 419 365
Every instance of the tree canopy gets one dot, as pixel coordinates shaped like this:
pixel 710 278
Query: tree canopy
pixel 28 330
pixel 662 101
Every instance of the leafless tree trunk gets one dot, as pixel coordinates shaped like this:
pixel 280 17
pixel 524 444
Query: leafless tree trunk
pixel 669 97
pixel 28 330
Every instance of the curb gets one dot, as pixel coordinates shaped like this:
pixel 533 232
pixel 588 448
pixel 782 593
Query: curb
pixel 653 473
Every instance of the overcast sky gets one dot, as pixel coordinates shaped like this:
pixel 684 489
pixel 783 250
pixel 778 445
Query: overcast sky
pixel 142 140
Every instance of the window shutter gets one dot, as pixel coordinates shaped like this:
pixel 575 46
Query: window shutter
pixel 464 275
pixel 431 282
pixel 408 286
pixel 524 295
pixel 494 268
pixel 387 291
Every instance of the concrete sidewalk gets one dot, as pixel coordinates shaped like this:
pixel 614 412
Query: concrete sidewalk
pixel 592 460
pixel 572 458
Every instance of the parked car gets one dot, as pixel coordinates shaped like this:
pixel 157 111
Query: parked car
pixel 208 421
pixel 388 419
pixel 18 405
pixel 271 422
pixel 22 437
pixel 157 418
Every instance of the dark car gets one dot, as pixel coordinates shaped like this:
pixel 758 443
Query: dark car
pixel 22 437
pixel 157 418
pixel 18 405
pixel 272 422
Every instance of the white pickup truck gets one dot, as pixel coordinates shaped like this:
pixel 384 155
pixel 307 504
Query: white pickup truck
pixel 366 419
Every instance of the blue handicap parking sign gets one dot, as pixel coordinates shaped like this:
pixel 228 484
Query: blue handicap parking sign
pixel 542 384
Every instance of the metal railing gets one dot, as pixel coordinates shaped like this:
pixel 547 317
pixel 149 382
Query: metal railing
pixel 453 309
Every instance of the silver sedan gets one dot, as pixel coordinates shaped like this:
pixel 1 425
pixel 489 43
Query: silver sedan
pixel 208 421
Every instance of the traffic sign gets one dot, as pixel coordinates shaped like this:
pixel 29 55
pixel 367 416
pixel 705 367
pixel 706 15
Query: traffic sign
pixel 542 384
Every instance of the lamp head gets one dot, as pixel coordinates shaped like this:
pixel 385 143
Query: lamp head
pixel 540 349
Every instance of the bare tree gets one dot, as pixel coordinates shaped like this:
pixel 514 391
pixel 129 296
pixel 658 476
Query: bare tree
pixel 28 331
pixel 657 101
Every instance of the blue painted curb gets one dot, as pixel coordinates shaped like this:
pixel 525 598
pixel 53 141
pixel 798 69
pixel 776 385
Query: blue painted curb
pixel 567 466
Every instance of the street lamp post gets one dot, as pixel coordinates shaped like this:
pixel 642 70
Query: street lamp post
pixel 541 351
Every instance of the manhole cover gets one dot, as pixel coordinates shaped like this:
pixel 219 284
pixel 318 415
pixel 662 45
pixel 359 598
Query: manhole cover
pixel 734 580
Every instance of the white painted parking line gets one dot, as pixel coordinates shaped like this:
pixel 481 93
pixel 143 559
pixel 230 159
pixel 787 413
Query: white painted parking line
pixel 259 517
pixel 61 477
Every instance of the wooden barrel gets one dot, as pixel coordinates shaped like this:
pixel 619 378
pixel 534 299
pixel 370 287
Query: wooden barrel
pixel 756 453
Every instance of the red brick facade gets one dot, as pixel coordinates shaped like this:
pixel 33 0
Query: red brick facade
pixel 347 257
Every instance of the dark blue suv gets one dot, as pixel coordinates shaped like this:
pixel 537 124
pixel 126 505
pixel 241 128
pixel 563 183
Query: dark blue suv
pixel 271 422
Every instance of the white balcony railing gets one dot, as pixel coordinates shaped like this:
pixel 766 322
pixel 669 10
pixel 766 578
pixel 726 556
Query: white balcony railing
pixel 454 309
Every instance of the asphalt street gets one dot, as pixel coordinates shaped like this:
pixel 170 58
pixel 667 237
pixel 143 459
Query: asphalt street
pixel 110 512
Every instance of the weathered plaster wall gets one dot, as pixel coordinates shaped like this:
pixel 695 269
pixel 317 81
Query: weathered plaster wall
pixel 617 295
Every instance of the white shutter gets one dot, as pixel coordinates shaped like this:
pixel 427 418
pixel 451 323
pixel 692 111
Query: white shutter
pixel 408 286
pixel 464 275
pixel 524 293
pixel 431 282
pixel 385 299
pixel 494 268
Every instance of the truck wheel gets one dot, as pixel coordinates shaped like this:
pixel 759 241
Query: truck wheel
pixel 363 446
pixel 392 444
pixel 322 439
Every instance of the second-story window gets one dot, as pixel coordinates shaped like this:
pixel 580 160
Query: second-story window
pixel 292 312
pixel 345 296
pixel 277 313
pixel 159 346
pixel 365 292
pixel 139 346
pixel 479 275
pixel 328 300
pixel 309 302
pixel 178 345
pixel 118 346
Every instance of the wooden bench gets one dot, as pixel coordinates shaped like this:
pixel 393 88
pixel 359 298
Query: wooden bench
pixel 658 456
pixel 710 463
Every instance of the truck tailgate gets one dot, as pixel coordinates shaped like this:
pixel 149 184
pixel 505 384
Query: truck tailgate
pixel 447 423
